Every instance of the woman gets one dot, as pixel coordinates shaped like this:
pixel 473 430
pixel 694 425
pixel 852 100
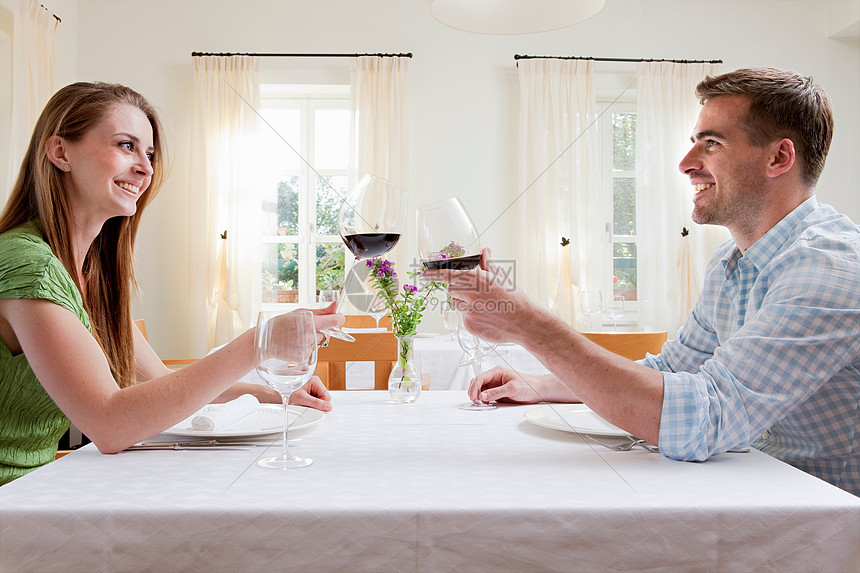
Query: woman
pixel 69 349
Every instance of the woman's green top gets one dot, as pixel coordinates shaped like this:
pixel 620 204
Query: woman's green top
pixel 30 423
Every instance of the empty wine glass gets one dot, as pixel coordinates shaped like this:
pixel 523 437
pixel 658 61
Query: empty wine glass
pixel 285 357
pixel 591 302
pixel 377 307
pixel 359 290
pixel 615 310
pixel 326 297
pixel 370 223
pixel 450 318
pixel 476 348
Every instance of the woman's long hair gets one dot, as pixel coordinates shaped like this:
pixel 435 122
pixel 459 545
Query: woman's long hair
pixel 108 268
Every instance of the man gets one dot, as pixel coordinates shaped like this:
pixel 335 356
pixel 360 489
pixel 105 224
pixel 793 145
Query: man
pixel 770 354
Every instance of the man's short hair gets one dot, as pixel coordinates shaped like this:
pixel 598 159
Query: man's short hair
pixel 783 104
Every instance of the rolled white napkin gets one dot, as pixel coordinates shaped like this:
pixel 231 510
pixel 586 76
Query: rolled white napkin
pixel 217 416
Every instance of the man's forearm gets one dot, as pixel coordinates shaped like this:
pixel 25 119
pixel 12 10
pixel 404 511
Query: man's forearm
pixel 623 392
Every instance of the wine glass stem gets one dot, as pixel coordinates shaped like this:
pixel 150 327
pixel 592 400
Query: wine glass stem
pixel 477 373
pixel 286 400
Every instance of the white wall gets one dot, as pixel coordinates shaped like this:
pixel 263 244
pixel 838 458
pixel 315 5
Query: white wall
pixel 465 91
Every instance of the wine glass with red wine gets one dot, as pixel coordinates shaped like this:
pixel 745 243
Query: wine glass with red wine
pixel 447 237
pixel 372 216
pixel 371 221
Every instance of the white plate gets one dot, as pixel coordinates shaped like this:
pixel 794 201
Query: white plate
pixel 576 418
pixel 269 420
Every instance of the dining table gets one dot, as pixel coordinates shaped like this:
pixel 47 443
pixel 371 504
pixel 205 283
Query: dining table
pixel 425 486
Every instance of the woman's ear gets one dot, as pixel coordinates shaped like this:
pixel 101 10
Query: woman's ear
pixel 57 152
pixel 782 157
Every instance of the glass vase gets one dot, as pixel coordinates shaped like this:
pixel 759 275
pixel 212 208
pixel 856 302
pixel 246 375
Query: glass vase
pixel 404 383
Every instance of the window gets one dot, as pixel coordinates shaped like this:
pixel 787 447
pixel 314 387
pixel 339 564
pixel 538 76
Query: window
pixel 618 200
pixel 307 146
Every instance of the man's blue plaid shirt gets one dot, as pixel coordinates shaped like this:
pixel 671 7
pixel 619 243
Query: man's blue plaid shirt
pixel 770 355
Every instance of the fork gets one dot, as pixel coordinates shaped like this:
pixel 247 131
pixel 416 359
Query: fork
pixel 626 446
pixel 643 444
pixel 194 445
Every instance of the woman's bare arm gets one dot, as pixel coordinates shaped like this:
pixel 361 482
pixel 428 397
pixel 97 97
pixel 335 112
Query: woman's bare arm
pixel 72 368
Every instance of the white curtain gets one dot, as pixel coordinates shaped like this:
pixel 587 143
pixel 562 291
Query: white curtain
pixel 226 101
pixel 33 78
pixel 671 264
pixel 558 173
pixel 380 87
pixel 380 97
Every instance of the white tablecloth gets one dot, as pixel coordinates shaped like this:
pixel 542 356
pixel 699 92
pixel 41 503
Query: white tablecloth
pixel 425 487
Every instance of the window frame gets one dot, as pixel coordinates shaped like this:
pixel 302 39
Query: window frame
pixel 307 99
pixel 606 196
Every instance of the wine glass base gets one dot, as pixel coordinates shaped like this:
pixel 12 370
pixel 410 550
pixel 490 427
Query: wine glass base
pixel 285 463
pixel 336 332
pixel 477 406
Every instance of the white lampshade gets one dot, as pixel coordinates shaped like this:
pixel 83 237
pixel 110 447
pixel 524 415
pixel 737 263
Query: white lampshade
pixel 513 16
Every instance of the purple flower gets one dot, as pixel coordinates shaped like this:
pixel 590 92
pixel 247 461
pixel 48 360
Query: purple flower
pixel 410 289
pixel 452 250
pixel 381 268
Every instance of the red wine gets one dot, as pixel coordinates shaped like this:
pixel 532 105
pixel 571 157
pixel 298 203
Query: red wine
pixel 455 263
pixel 369 245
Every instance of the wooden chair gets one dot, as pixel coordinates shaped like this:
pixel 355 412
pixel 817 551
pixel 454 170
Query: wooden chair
pixel 632 345
pixel 174 364
pixel 377 347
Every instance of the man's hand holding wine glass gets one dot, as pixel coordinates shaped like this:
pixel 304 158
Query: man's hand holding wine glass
pixel 484 295
pixel 495 310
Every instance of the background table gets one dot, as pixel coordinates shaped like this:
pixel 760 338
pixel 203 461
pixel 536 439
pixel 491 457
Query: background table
pixel 439 356
pixel 425 487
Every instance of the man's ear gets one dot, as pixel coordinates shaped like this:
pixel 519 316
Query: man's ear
pixel 57 152
pixel 782 157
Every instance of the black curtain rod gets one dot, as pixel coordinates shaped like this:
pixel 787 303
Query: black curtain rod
pixel 519 57
pixel 227 54
pixel 51 13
